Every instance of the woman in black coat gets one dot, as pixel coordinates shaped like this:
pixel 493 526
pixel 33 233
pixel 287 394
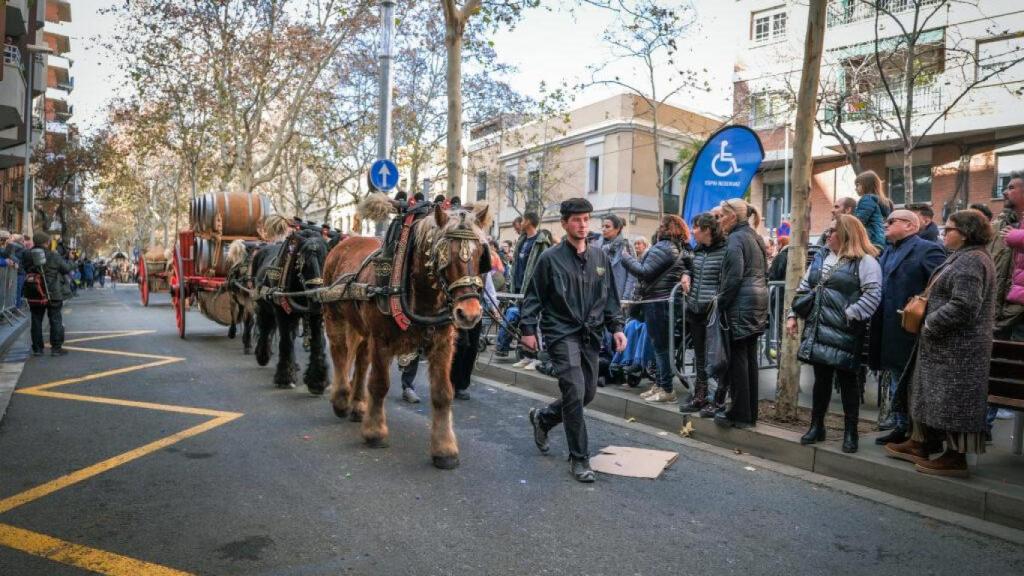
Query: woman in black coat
pixel 713 273
pixel 747 312
pixel 659 271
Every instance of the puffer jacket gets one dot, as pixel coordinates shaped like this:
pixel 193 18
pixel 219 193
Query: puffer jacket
pixel 872 214
pixel 1008 313
pixel 831 337
pixel 747 302
pixel 661 268
pixel 1015 240
pixel 712 272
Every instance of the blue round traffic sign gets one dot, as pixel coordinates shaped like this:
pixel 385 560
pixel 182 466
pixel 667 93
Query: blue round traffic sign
pixel 384 175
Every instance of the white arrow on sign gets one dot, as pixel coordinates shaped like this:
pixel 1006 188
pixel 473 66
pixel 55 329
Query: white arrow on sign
pixel 384 172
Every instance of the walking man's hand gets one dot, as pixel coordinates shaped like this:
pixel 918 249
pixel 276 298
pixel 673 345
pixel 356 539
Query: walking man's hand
pixel 529 342
pixel 620 341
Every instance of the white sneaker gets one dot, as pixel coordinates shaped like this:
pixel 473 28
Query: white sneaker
pixel 661 396
pixel 522 363
pixel 650 392
pixel 1004 414
pixel 532 365
pixel 410 396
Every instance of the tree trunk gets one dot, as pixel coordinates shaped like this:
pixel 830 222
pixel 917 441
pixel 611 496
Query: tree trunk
pixel 789 366
pixel 908 117
pixel 455 25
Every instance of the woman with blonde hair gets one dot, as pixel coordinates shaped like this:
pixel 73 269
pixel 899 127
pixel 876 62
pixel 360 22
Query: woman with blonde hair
pixel 873 207
pixel 746 306
pixel 836 298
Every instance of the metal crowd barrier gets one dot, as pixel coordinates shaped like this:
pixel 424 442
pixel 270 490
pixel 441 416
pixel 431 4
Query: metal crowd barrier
pixel 9 311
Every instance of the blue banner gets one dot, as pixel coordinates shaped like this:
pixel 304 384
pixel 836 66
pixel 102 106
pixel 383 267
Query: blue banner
pixel 723 169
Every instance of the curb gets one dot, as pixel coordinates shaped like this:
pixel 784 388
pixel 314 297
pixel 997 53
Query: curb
pixel 10 368
pixel 1002 505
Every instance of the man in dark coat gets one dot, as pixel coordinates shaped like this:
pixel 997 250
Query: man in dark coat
pixel 929 230
pixel 53 268
pixel 907 263
pixel 572 299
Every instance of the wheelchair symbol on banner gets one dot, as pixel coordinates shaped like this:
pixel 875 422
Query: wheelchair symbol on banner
pixel 726 158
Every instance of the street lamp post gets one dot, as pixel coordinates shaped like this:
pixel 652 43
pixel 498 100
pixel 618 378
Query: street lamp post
pixel 27 207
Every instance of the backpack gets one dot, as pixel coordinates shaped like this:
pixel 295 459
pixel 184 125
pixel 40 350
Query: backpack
pixel 35 289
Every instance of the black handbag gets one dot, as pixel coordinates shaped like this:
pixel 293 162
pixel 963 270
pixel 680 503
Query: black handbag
pixel 803 304
pixel 716 343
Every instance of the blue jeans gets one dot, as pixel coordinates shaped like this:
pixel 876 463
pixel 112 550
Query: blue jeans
pixel 504 336
pixel 656 317
pixel 899 418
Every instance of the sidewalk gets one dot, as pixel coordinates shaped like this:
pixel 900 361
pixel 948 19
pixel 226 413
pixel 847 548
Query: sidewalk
pixel 995 491
pixel 12 360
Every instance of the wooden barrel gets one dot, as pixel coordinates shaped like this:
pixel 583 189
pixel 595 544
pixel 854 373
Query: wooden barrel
pixel 239 213
pixel 216 306
pixel 206 261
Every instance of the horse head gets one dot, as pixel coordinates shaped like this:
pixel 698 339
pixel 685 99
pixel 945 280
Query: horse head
pixel 458 260
pixel 309 250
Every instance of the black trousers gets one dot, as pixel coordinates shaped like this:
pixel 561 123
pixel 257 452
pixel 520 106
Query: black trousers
pixel 742 379
pixel 409 374
pixel 575 362
pixel 849 391
pixel 466 349
pixel 53 311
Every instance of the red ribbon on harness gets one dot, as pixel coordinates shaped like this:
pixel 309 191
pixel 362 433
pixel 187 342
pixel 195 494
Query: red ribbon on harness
pixel 394 300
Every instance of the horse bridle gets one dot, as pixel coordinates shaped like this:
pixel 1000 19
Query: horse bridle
pixel 439 253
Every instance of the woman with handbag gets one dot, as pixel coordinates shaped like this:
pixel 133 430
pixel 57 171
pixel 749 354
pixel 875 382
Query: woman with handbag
pixel 715 271
pixel 658 273
pixel 950 369
pixel 837 297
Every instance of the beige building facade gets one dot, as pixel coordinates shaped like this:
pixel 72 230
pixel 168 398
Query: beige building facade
pixel 603 152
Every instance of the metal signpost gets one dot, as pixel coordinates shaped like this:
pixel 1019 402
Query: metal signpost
pixel 723 169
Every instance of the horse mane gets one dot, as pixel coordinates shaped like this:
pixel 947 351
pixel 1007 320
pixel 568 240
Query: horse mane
pixel 458 218
pixel 236 252
pixel 376 206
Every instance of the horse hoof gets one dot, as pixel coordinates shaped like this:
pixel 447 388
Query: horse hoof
pixel 356 416
pixel 446 462
pixel 339 412
pixel 376 442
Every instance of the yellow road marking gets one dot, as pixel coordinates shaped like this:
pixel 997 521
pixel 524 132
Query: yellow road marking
pixel 79 556
pixel 52 486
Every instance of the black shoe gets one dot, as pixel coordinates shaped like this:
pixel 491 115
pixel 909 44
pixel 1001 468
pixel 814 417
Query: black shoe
pixel 816 433
pixel 601 382
pixel 58 352
pixel 722 418
pixel 987 436
pixel 581 471
pixel 540 435
pixel 708 411
pixel 462 394
pixel 37 352
pixel 501 353
pixel 691 406
pixel 897 436
pixel 850 439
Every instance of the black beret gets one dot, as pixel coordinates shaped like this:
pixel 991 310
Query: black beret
pixel 575 206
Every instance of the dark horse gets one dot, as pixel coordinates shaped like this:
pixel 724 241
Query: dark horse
pixel 447 256
pixel 291 266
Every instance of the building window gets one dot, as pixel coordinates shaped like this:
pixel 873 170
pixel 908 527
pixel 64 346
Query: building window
pixel 1002 57
pixel 769 25
pixel 768 109
pixel 669 189
pixel 774 204
pixel 481 185
pixel 594 175
pixel 1005 164
pixel 510 189
pixel 922 185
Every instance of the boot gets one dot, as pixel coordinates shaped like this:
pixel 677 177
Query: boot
pixel 909 451
pixel 816 433
pixel 850 436
pixel 581 471
pixel 897 436
pixel 951 463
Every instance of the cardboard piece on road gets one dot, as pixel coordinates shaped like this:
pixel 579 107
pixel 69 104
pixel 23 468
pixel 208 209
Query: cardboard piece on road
pixel 633 462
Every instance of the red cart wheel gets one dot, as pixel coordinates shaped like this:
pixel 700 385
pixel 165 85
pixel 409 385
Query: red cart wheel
pixel 143 281
pixel 179 291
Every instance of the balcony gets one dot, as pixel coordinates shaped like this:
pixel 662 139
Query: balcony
pixel 59 43
pixel 12 96
pixel 60 79
pixel 841 12
pixel 878 104
pixel 57 11
pixel 17 18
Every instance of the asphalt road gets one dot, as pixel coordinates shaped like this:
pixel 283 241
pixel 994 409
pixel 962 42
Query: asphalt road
pixel 289 489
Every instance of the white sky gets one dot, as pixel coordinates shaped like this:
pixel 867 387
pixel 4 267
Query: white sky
pixel 546 46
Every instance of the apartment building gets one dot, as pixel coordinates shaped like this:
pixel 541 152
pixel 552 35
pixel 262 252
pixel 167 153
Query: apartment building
pixel 603 151
pixel 29 45
pixel 966 148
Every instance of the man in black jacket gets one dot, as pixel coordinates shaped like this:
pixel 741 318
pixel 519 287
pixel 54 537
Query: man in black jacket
pixel 572 296
pixel 53 268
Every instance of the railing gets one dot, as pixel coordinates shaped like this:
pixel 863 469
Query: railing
pixel 9 310
pixel 878 104
pixel 842 12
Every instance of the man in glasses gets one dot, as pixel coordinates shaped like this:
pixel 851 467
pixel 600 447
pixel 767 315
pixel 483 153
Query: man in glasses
pixel 907 262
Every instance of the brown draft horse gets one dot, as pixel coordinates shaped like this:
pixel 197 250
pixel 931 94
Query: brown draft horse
pixel 444 284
